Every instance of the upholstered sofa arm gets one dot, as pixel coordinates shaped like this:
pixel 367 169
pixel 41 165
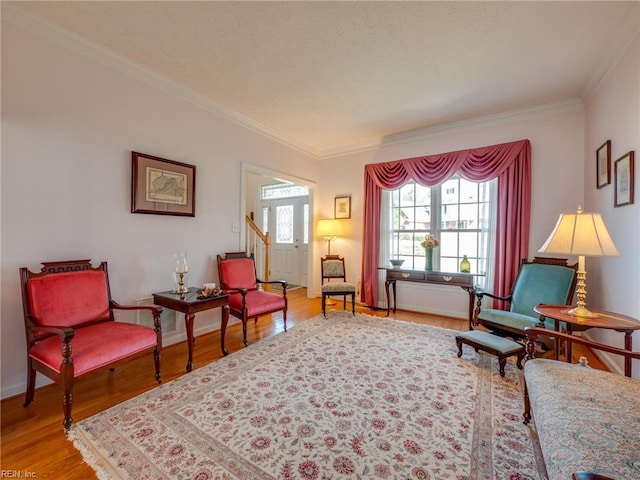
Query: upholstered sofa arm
pixel 532 334
pixel 155 311
pixel 66 334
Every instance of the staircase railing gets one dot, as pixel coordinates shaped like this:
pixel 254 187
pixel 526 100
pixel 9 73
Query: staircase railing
pixel 258 244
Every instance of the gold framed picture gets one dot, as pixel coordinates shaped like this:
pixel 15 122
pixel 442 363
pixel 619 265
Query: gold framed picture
pixel 342 207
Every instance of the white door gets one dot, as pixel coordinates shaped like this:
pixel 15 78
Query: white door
pixel 288 228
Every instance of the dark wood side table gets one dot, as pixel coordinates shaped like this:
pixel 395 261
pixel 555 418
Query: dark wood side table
pixel 189 304
pixel 394 275
pixel 608 320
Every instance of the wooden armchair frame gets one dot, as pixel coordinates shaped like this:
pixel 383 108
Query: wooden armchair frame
pixel 57 317
pixel 332 268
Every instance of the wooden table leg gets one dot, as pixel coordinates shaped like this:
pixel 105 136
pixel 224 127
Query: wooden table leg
pixel 393 286
pixel 188 322
pixel 556 341
pixel 223 327
pixel 386 290
pixel 628 345
pixel 569 345
pixel 471 291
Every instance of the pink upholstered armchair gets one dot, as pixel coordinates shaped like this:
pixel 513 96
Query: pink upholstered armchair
pixel 70 327
pixel 238 278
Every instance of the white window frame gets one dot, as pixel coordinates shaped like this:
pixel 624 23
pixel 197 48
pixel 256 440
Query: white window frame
pixel 481 261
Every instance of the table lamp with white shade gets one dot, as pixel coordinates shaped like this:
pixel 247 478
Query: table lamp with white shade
pixel 584 235
pixel 330 229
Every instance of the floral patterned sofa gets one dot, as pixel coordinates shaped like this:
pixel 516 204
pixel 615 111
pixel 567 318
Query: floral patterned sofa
pixel 587 420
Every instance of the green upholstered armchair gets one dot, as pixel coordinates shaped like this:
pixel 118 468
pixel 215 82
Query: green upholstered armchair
pixel 542 281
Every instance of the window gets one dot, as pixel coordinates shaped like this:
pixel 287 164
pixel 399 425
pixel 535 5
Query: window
pixel 457 213
pixel 305 224
pixel 285 223
pixel 282 190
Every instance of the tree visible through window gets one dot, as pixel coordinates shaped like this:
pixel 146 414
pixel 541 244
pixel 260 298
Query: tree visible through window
pixel 457 213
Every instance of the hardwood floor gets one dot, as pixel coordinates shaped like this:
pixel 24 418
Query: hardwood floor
pixel 34 444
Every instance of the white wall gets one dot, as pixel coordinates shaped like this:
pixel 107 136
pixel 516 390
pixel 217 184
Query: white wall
pixel 614 114
pixel 69 125
pixel 557 145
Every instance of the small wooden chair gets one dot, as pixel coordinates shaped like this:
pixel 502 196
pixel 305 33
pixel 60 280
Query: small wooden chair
pixel 71 329
pixel 334 282
pixel 237 272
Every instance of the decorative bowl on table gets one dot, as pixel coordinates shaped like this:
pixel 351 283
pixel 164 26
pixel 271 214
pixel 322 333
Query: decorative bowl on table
pixel 396 262
pixel 209 290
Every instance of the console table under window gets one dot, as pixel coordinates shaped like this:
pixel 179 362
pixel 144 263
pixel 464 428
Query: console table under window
pixel 394 275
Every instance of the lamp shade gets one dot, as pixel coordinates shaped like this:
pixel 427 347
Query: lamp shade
pixel 580 234
pixel 329 228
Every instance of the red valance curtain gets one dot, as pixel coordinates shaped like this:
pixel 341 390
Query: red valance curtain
pixel 509 162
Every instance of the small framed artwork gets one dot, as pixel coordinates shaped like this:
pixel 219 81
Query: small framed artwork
pixel 342 207
pixel 162 187
pixel 624 180
pixel 603 165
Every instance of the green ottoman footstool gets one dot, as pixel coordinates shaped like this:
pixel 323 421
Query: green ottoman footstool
pixel 502 348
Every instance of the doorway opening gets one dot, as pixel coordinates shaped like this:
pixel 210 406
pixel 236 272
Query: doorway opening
pixel 281 205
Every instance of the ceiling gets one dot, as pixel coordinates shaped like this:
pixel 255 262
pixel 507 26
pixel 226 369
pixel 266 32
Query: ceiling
pixel 332 77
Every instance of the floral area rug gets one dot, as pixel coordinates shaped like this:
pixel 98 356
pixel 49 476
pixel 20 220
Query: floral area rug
pixel 344 397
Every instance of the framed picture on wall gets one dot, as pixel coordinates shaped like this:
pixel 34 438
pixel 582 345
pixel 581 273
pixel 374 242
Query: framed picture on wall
pixel 624 180
pixel 342 207
pixel 603 165
pixel 162 187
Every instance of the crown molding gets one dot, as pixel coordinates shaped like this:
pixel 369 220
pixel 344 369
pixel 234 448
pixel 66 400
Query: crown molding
pixel 537 111
pixel 13 14
pixel 16 16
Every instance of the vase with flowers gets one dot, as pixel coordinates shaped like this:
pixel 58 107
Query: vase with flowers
pixel 429 243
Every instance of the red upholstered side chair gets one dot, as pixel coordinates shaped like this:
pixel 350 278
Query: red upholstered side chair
pixel 238 278
pixel 70 327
